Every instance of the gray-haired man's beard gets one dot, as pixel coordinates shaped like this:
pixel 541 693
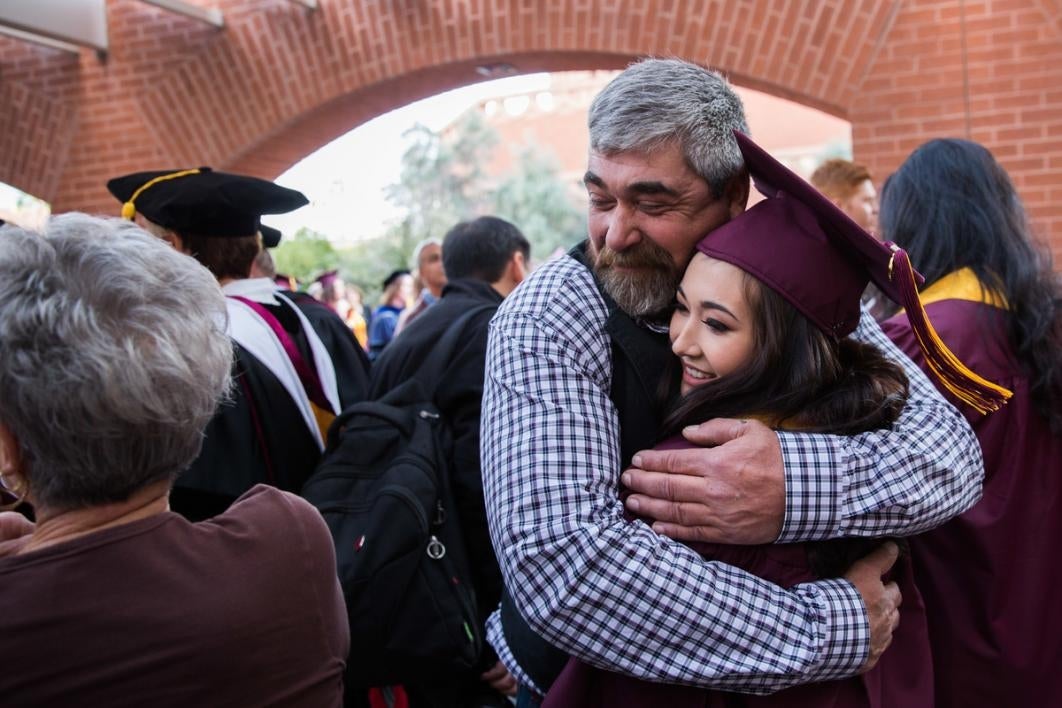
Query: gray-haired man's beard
pixel 647 287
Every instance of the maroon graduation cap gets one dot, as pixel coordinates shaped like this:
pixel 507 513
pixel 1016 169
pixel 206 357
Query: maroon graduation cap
pixel 802 246
pixel 327 278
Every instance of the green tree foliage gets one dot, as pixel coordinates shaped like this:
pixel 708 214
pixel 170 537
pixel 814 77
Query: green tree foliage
pixel 444 181
pixel 305 255
pixel 540 204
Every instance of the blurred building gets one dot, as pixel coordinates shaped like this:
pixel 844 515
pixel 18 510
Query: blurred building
pixel 555 120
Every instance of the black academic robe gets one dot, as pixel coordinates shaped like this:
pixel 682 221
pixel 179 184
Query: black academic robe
pixel 348 357
pixel 257 436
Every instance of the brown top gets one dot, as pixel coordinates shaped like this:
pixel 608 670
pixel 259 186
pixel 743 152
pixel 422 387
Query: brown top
pixel 244 609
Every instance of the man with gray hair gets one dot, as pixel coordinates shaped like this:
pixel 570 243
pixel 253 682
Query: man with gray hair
pixel 571 400
pixel 430 274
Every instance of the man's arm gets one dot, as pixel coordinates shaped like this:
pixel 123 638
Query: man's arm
pixel 611 591
pixel 902 480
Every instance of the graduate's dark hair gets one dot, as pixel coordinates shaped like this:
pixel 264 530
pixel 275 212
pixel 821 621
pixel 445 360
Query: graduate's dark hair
pixel 952 206
pixel 798 377
pixel 228 257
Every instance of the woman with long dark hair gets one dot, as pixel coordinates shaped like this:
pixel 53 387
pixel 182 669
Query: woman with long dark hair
pixel 996 628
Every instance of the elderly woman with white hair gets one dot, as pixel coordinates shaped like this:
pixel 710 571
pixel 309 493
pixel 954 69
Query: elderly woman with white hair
pixel 113 357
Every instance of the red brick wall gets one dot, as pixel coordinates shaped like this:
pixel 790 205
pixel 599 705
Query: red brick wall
pixel 279 81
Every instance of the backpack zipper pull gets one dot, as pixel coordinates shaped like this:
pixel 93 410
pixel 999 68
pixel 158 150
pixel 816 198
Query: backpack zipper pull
pixel 436 550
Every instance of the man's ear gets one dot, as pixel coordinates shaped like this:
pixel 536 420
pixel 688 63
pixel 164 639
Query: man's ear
pixel 517 268
pixel 174 239
pixel 737 193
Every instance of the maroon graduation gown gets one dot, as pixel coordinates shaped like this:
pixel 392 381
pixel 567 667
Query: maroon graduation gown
pixel 902 677
pixel 989 577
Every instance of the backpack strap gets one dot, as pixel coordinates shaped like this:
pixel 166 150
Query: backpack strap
pixel 431 369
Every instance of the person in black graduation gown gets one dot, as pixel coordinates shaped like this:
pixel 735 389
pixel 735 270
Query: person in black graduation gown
pixel 349 358
pixel 287 379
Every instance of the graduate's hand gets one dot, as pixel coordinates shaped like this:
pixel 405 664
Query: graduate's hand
pixel 732 491
pixel 882 600
pixel 499 678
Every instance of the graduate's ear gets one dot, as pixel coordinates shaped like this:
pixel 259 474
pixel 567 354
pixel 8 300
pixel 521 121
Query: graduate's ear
pixel 175 240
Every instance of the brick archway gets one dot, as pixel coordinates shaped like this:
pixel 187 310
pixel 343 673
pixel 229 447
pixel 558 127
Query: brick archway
pixel 279 81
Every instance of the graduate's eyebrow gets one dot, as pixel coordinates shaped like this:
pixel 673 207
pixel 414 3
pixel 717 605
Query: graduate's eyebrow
pixel 647 187
pixel 709 304
pixel 712 305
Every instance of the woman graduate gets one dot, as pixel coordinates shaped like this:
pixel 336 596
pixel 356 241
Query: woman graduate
pixel 988 576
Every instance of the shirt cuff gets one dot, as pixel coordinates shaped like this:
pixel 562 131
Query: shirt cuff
pixel 845 628
pixel 496 638
pixel 813 487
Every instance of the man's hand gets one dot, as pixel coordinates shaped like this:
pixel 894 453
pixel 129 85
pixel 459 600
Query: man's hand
pixel 500 679
pixel 882 600
pixel 732 492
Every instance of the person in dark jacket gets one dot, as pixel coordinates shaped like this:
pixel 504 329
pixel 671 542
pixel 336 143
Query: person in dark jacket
pixel 485 260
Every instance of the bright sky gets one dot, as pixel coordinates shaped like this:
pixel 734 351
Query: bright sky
pixel 345 179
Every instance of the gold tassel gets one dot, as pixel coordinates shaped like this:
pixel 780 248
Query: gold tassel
pixel 129 208
pixel 979 393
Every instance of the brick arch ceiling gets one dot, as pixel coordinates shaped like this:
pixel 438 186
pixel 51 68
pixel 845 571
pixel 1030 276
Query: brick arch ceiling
pixel 280 81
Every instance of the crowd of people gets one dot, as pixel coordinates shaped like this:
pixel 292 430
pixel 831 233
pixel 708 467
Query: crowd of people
pixel 800 453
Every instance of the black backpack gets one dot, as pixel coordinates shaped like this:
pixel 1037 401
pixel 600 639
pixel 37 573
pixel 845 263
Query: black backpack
pixel 383 487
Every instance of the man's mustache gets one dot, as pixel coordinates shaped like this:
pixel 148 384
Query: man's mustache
pixel 642 256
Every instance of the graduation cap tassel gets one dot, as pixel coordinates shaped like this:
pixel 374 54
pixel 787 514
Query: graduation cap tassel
pixel 129 207
pixel 979 393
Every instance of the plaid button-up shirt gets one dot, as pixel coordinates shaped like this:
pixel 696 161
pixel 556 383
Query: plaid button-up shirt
pixel 617 595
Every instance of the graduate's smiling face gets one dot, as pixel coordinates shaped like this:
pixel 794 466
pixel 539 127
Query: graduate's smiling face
pixel 647 210
pixel 712 328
